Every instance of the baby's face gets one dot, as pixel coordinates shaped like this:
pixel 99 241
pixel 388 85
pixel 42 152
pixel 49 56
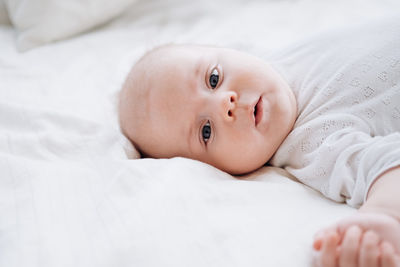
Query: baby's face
pixel 216 105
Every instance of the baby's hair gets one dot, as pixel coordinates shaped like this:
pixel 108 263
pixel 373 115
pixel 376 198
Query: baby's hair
pixel 129 83
pixel 153 50
pixel 146 55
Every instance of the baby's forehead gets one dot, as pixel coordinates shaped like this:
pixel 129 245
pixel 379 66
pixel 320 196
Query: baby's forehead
pixel 164 66
pixel 162 61
pixel 156 59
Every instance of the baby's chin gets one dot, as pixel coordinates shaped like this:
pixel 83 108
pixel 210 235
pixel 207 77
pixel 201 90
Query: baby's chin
pixel 242 171
pixel 241 167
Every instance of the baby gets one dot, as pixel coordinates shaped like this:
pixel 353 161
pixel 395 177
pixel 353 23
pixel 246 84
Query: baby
pixel 328 111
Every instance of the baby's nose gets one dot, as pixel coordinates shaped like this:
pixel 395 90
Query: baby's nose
pixel 228 105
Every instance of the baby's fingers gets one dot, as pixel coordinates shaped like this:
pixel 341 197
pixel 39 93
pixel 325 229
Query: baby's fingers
pixel 320 236
pixel 328 254
pixel 389 257
pixel 369 250
pixel 350 246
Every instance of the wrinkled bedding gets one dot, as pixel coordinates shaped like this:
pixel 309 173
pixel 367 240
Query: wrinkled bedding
pixel 72 192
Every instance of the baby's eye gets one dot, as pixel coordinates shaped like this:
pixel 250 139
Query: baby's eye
pixel 214 78
pixel 206 132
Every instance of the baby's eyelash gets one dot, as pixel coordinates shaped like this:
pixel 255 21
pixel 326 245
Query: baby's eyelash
pixel 214 78
pixel 206 132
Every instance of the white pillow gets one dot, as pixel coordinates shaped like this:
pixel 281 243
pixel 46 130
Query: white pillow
pixel 42 21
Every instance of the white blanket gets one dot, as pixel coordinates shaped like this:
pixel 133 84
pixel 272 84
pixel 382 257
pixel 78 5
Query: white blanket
pixel 69 196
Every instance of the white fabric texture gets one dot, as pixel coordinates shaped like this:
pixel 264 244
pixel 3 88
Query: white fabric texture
pixel 42 21
pixel 347 133
pixel 69 196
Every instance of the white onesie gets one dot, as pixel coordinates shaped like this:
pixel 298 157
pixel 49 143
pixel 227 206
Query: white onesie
pixel 347 133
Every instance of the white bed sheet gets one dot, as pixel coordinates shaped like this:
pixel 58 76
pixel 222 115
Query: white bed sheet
pixel 70 197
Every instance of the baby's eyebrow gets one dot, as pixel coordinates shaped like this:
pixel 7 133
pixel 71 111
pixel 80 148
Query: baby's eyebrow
pixel 190 135
pixel 197 67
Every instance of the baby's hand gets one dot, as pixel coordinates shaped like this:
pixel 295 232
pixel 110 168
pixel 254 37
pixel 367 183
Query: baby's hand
pixel 365 239
pixel 354 248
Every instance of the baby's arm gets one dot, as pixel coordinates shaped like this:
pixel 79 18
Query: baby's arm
pixel 372 236
pixel 384 195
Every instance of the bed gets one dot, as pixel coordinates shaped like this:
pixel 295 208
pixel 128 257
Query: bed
pixel 73 191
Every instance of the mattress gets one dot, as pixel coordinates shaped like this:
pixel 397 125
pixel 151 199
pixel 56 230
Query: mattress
pixel 73 190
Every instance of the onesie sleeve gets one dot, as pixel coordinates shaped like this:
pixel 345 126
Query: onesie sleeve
pixel 342 165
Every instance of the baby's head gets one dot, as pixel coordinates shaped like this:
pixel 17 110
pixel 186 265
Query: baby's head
pixel 217 105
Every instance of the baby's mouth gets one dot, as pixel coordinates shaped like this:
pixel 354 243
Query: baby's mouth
pixel 258 108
